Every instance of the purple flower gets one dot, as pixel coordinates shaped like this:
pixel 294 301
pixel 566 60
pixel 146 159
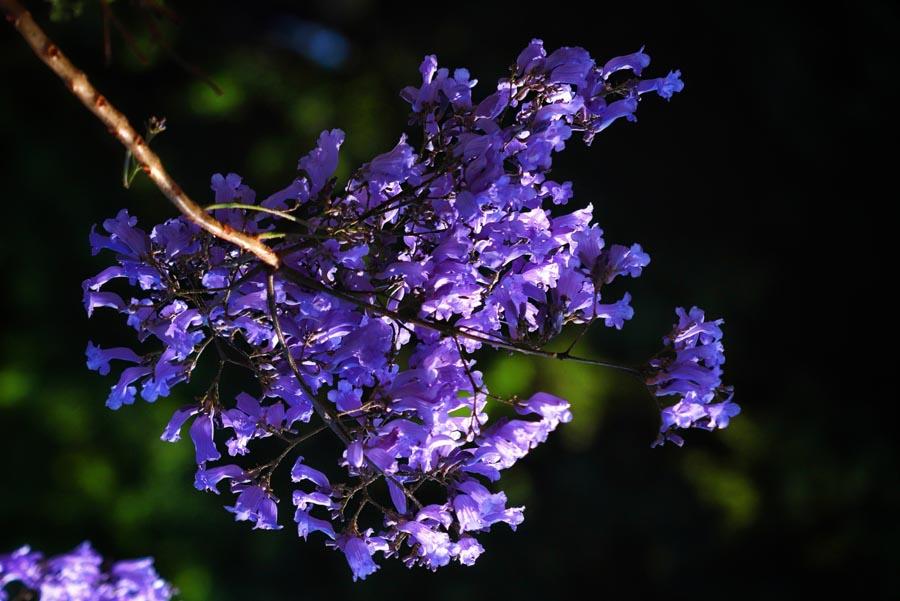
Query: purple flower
pixel 251 420
pixel 172 433
pixel 202 435
pixel 469 550
pixel 167 372
pixel 552 409
pixel 394 167
pixel 559 193
pixel 22 565
pixel 532 57
pixel 620 260
pixel 137 579
pixel 635 62
pixel 177 237
pixel 434 549
pixel 98 359
pixel 358 555
pixel 124 237
pixel 96 300
pixel 81 575
pixel 355 454
pixel 624 108
pixel 307 524
pixel 390 285
pixel 478 509
pixel 207 479
pixel 615 315
pixel 590 244
pixel 690 368
pixel 569 65
pixel 345 396
pixel 319 165
pixel 255 505
pixel 123 393
pixel 301 472
pixel 666 86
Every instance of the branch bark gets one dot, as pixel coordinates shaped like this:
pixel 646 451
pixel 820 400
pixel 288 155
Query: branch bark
pixel 79 85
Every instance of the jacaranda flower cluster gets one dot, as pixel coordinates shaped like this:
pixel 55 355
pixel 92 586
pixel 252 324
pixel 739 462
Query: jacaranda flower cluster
pixel 690 367
pixel 453 241
pixel 80 575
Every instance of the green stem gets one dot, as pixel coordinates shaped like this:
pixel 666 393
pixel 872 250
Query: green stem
pixel 246 207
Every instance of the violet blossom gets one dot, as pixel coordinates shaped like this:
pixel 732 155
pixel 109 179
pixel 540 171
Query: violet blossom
pixel 390 282
pixel 80 575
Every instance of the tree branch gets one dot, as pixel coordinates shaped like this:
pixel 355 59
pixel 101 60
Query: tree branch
pixel 319 408
pixel 445 328
pixel 151 164
pixel 324 412
pixel 77 83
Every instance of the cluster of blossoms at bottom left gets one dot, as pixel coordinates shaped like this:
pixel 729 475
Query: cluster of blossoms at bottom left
pixel 80 575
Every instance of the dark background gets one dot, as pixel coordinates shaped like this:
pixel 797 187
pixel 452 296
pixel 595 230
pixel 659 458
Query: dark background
pixel 756 191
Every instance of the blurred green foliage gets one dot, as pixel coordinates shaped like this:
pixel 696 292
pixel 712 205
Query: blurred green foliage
pixel 65 10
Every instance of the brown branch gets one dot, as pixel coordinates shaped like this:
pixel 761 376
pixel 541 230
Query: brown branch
pixel 77 83
pixel 151 164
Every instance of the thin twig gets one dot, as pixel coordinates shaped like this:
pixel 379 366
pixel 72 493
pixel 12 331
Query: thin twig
pixel 447 329
pixel 590 322
pixel 246 207
pixel 109 17
pixel 160 39
pixel 322 410
pixel 273 465
pixel 77 83
pixel 318 406
pixel 107 38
